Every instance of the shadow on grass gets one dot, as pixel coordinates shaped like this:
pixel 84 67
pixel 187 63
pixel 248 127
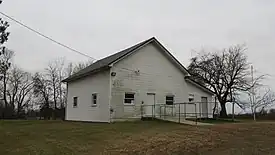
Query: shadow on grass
pixel 215 120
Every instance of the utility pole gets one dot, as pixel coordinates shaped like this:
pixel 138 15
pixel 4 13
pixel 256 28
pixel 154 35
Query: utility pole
pixel 253 93
pixel 233 102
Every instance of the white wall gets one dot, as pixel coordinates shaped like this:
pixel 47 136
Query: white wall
pixel 83 89
pixel 157 75
pixel 198 93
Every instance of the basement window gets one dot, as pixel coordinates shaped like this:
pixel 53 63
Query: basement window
pixel 129 98
pixel 75 102
pixel 170 100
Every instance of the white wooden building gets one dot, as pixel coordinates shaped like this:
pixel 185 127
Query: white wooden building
pixel 114 87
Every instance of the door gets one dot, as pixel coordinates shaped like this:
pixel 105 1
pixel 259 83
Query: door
pixel 204 106
pixel 149 105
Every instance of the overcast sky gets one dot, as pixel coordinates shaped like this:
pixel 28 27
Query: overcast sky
pixel 100 28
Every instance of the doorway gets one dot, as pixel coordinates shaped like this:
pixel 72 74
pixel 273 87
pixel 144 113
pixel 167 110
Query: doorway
pixel 149 105
pixel 204 107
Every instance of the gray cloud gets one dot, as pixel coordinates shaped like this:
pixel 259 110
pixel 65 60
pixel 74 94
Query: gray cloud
pixel 100 28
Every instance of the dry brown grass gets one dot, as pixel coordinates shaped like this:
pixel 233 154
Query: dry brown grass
pixel 56 137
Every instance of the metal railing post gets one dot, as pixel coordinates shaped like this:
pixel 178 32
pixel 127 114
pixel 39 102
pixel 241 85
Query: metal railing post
pixel 141 111
pixel 200 110
pixel 185 111
pixel 152 106
pixel 160 111
pixel 164 111
pixel 196 113
pixel 173 110
pixel 179 113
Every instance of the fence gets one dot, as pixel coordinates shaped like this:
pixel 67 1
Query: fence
pixel 178 111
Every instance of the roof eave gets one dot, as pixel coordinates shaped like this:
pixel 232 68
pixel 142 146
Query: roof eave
pixel 70 79
pixel 199 85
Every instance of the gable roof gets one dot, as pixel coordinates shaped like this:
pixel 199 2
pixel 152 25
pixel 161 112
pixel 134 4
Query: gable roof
pixel 105 63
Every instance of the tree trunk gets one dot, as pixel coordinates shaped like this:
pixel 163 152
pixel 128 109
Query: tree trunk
pixel 223 113
pixel 254 114
pixel 214 109
pixel 18 111
pixel 55 102
pixel 19 108
pixel 5 96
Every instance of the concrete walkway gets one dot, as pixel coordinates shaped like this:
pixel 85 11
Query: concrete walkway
pixel 183 121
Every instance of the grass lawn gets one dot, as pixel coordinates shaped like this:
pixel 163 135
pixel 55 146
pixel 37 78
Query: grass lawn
pixel 147 137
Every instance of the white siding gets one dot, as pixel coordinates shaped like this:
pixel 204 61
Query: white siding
pixel 83 89
pixel 198 93
pixel 156 75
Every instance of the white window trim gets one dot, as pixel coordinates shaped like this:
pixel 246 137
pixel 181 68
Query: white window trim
pixel 129 104
pixel 76 101
pixel 94 105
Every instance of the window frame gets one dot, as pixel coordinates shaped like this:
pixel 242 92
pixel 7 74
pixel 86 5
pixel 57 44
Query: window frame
pixel 75 106
pixel 94 100
pixel 203 97
pixel 173 101
pixel 191 97
pixel 132 99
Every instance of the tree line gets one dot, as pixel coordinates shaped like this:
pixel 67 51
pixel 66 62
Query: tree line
pixel 226 72
pixel 22 91
pixel 43 91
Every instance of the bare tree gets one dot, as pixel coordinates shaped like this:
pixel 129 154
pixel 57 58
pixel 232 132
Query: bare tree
pixel 5 63
pixel 42 91
pixel 51 75
pixel 69 70
pixel 61 86
pixel 13 80
pixel 223 72
pixel 3 31
pixel 21 86
pixel 259 98
pixel 48 86
pixel 55 73
pixel 74 68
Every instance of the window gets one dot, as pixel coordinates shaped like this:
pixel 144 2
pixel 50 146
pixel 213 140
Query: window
pixel 94 99
pixel 129 98
pixel 204 99
pixel 170 100
pixel 191 97
pixel 75 102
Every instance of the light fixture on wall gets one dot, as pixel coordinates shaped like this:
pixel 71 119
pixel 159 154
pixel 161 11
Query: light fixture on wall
pixel 113 73
pixel 137 72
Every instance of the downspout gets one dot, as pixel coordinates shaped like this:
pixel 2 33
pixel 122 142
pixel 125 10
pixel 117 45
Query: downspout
pixel 66 102
pixel 110 94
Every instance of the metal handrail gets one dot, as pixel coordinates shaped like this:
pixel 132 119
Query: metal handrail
pixel 165 111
